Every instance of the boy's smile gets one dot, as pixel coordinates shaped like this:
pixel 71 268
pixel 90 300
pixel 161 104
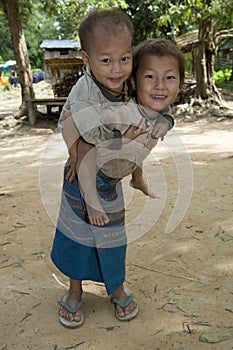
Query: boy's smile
pixel 110 61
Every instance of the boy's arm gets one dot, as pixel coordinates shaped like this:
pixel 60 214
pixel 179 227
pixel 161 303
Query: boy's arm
pixel 69 130
pixel 70 135
pixel 98 123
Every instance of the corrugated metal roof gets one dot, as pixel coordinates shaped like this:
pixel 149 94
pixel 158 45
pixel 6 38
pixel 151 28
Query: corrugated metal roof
pixel 60 44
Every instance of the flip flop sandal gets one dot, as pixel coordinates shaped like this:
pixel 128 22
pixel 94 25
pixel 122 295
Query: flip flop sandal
pixel 123 305
pixel 72 310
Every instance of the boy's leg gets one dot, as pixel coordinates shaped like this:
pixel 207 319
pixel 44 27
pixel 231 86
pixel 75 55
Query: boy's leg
pixel 73 298
pixel 137 181
pixel 87 178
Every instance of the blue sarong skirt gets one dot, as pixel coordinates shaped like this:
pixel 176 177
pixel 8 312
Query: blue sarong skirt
pixel 85 252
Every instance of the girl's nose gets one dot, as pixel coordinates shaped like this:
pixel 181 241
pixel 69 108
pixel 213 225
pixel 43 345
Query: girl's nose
pixel 159 83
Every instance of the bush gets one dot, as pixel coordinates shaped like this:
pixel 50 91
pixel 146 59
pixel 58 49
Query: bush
pixel 222 79
pixel 36 70
pixel 222 76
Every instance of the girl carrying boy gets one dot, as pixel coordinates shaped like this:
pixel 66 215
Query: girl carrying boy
pixel 83 250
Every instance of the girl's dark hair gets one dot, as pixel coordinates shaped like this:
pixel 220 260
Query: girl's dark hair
pixel 160 48
pixel 110 20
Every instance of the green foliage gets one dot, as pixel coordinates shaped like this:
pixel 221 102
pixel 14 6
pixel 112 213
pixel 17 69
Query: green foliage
pixel 68 14
pixel 227 85
pixel 60 19
pixel 7 87
pixel 7 74
pixel 222 79
pixel 36 70
pixel 39 26
pixel 143 17
pixel 222 76
pixel 189 63
pixel 153 18
pixel 6 50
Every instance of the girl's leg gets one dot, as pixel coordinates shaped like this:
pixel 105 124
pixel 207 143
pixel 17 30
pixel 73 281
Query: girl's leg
pixel 74 297
pixel 122 296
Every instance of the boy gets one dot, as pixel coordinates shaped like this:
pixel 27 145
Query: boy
pixel 96 88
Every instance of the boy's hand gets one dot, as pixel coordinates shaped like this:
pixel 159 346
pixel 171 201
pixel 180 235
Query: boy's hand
pixel 70 176
pixel 159 130
pixel 134 131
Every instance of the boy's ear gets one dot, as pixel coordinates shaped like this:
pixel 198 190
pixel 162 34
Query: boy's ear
pixel 85 59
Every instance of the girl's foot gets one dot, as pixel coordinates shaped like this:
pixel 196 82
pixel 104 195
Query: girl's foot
pixel 70 313
pixel 125 305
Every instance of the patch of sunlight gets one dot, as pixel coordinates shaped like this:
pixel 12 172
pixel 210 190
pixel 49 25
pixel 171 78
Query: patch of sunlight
pixel 181 247
pixel 225 266
pixel 216 141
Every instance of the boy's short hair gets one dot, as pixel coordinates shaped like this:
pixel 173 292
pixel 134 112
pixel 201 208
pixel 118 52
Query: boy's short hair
pixel 160 48
pixel 109 20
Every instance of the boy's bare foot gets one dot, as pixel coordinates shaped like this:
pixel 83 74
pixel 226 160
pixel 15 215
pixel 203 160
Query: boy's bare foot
pixel 97 217
pixel 142 186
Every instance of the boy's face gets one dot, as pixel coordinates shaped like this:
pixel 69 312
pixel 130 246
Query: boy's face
pixel 157 81
pixel 110 58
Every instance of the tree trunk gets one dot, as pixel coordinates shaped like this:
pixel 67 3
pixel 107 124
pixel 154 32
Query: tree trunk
pixel 204 65
pixel 11 9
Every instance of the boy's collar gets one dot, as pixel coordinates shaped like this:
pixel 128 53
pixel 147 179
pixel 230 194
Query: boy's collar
pixel 123 96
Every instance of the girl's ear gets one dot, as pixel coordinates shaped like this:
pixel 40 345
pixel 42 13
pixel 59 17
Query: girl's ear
pixel 132 87
pixel 132 81
pixel 86 60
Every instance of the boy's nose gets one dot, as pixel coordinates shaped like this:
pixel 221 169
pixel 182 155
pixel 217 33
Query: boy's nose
pixel 116 67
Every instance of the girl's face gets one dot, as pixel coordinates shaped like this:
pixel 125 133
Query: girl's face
pixel 157 81
pixel 110 59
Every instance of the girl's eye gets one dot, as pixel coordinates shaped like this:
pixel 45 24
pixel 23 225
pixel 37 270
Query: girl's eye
pixel 149 76
pixel 106 60
pixel 171 77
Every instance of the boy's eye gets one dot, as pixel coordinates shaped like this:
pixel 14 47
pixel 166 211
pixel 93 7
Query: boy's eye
pixel 125 59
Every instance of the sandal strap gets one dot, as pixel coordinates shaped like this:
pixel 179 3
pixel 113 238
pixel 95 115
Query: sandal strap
pixel 70 309
pixel 125 303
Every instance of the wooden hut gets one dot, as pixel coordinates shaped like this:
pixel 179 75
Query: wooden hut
pixel 63 65
pixel 61 57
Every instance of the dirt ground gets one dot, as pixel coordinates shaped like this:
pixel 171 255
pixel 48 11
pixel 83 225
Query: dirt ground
pixel 183 280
